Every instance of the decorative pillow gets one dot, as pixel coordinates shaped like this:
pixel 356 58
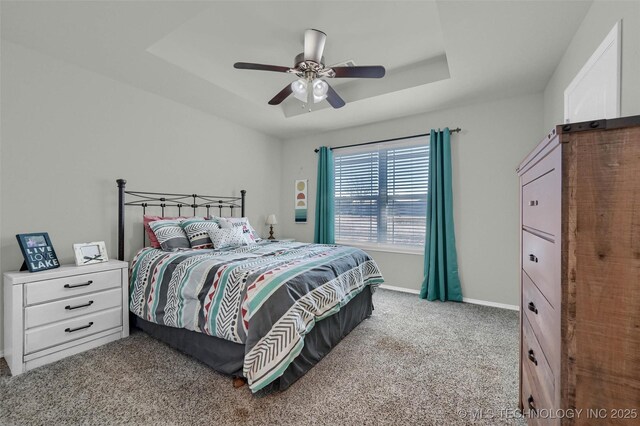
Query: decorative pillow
pixel 197 232
pixel 169 234
pixel 250 234
pixel 146 220
pixel 228 237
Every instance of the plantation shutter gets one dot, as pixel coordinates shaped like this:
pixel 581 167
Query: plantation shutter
pixel 381 193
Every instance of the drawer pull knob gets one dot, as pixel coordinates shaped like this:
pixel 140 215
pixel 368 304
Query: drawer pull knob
pixel 78 285
pixel 533 258
pixel 530 403
pixel 532 357
pixel 533 203
pixel 71 330
pixel 70 308
pixel 532 308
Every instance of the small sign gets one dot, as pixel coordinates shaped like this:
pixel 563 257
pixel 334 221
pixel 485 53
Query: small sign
pixel 37 251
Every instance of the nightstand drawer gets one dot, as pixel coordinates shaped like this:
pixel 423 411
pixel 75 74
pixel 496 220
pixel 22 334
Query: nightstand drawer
pixel 75 285
pixel 48 313
pixel 65 331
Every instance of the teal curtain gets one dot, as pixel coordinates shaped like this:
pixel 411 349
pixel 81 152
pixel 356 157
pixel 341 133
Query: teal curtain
pixel 441 280
pixel 325 217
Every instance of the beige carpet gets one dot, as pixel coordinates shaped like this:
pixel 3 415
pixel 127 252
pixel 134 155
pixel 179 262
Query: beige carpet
pixel 412 362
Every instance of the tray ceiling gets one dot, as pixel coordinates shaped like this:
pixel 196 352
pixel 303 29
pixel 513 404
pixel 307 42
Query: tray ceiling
pixel 438 53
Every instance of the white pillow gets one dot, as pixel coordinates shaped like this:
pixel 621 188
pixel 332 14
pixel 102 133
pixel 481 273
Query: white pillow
pixel 250 234
pixel 227 237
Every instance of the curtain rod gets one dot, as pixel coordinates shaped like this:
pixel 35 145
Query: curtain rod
pixel 456 130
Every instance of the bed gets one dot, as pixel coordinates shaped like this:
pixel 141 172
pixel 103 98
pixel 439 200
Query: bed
pixel 267 312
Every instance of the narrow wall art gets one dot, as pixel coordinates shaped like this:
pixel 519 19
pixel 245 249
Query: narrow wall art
pixel 301 201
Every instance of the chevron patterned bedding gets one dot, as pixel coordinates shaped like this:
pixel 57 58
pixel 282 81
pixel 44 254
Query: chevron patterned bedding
pixel 266 296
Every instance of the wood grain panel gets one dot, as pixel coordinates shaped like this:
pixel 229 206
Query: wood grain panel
pixel 608 269
pixel 568 275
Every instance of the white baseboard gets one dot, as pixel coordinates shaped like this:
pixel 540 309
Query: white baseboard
pixel 492 304
pixel 402 289
pixel 464 299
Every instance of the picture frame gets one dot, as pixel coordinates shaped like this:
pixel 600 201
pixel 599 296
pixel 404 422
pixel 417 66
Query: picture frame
pixel 301 200
pixel 90 253
pixel 37 251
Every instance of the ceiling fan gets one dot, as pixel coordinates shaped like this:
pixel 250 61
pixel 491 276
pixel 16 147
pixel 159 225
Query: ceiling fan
pixel 310 68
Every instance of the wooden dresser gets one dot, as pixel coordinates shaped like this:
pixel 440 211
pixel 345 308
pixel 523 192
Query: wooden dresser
pixel 52 314
pixel 580 275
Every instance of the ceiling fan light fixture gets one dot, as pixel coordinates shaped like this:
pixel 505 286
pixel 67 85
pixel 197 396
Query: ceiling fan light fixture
pixel 310 69
pixel 299 88
pixel 320 88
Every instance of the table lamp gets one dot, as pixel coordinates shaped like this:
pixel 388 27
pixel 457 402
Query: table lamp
pixel 271 220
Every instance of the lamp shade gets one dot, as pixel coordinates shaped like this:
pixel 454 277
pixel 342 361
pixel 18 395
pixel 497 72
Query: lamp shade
pixel 299 89
pixel 271 220
pixel 320 89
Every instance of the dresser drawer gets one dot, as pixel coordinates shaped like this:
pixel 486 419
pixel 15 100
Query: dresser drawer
pixel 47 313
pixel 541 203
pixel 75 285
pixel 65 331
pixel 536 361
pixel 548 162
pixel 533 402
pixel 541 261
pixel 544 320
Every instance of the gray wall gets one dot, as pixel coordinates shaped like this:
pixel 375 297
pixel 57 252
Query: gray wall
pixel 67 134
pixel 596 25
pixel 495 137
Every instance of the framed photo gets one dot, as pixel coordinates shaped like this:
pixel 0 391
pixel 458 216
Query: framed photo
pixel 37 251
pixel 90 253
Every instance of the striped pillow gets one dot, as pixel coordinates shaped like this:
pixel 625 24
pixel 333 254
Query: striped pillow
pixel 170 235
pixel 146 220
pixel 197 232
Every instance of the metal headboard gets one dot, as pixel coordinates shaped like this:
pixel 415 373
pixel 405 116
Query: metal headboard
pixel 179 201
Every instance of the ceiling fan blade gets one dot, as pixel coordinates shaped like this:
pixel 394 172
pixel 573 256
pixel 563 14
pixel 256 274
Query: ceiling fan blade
pixel 281 96
pixel 260 67
pixel 314 45
pixel 333 98
pixel 369 71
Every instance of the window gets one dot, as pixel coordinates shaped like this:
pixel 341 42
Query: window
pixel 381 194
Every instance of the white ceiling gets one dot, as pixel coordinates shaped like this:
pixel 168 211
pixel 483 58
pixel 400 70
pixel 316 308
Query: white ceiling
pixel 437 53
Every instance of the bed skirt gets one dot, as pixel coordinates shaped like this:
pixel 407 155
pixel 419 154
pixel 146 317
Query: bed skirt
pixel 227 357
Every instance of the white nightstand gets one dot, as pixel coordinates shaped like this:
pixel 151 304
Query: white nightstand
pixel 52 314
